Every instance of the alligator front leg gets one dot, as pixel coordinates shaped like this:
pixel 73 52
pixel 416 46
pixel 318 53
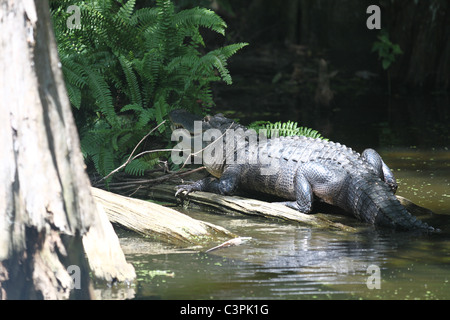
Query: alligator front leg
pixel 226 185
pixel 209 184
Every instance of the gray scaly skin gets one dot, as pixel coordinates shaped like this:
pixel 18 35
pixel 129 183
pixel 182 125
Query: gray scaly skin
pixel 303 169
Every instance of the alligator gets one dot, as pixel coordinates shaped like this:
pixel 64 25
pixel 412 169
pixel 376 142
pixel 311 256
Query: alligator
pixel 300 170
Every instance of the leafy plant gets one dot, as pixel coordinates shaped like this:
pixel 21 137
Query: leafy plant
pixel 125 69
pixel 386 53
pixel 289 128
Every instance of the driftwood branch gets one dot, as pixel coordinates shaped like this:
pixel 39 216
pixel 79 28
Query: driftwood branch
pixel 240 205
pixel 413 208
pixel 156 221
pixel 234 204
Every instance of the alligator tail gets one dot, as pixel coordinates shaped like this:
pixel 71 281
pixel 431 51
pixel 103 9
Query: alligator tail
pixel 371 200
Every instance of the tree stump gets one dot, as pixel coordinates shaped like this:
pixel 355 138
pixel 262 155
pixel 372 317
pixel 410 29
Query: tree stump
pixel 45 202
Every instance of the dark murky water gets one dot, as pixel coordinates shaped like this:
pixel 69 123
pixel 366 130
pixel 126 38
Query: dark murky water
pixel 288 261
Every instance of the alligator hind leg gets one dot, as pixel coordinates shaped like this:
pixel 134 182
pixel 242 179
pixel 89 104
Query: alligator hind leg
pixel 303 193
pixel 381 169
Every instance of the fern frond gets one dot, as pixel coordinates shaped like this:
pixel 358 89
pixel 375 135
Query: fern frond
pixel 135 107
pixel 102 94
pixel 144 118
pixel 289 128
pixel 206 98
pixel 125 11
pixel 144 18
pixel 138 166
pixel 161 111
pixel 231 49
pixel 74 75
pixel 74 94
pixel 195 17
pixel 133 85
pixel 151 68
pixel 216 60
pixel 165 33
pixel 104 161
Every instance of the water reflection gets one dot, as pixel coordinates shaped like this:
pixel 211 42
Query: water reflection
pixel 303 264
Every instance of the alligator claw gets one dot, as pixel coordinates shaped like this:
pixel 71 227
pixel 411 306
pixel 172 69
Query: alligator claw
pixel 187 188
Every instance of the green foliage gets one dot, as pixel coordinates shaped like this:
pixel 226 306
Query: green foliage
pixel 386 50
pixel 289 128
pixel 386 53
pixel 125 69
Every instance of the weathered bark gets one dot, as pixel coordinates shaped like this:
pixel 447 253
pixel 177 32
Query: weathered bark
pixel 106 259
pixel 414 208
pixel 234 204
pixel 240 205
pixel 45 201
pixel 156 221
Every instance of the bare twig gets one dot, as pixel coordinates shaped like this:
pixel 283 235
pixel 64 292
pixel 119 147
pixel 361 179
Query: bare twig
pixel 208 146
pixel 131 155
pixel 233 242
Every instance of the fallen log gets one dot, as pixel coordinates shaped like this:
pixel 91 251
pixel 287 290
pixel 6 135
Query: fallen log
pixel 239 205
pixel 235 204
pixel 247 206
pixel 413 208
pixel 156 221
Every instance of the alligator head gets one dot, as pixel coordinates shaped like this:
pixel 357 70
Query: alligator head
pixel 205 138
pixel 181 118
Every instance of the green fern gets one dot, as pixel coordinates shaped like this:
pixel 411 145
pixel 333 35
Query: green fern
pixel 284 129
pixel 133 85
pixel 125 69
pixel 138 166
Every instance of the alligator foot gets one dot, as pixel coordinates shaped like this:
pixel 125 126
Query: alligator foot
pixel 208 184
pixel 294 205
pixel 188 188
